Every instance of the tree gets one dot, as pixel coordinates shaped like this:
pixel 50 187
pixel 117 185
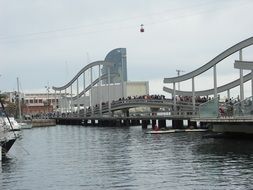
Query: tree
pixel 10 108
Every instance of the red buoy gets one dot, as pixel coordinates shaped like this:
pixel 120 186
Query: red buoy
pixel 142 29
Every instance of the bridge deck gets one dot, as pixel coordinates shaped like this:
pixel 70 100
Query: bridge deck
pixel 167 117
pixel 225 120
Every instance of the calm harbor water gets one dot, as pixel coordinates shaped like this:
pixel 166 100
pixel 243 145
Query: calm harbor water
pixel 76 157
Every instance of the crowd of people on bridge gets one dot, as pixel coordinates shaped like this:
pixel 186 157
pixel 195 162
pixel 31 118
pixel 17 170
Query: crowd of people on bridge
pixel 137 97
pixel 198 99
pixel 226 107
pixel 145 97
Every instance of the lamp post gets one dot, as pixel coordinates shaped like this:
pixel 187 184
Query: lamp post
pixel 47 89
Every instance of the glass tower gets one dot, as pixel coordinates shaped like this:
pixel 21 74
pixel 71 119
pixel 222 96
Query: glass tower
pixel 118 71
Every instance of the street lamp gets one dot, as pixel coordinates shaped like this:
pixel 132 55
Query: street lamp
pixel 47 89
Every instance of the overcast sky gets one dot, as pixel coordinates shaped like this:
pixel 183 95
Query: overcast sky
pixel 49 41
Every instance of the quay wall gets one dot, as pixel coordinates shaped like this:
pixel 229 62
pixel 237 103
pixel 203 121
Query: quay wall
pixel 246 128
pixel 43 122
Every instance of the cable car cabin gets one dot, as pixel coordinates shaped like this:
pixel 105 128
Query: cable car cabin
pixel 142 29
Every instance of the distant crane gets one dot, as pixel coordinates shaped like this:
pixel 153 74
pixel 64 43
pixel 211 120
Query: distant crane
pixel 178 74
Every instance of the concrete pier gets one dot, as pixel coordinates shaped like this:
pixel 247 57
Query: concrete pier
pixel 144 121
pixel 144 124
pixel 154 124
pixel 192 124
pixel 162 124
pixel 177 124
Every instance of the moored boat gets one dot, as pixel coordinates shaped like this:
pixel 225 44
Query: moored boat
pixel 7 135
pixel 12 123
pixel 24 125
pixel 175 131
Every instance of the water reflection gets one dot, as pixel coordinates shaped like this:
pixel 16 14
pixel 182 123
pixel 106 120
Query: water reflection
pixel 227 162
pixel 75 157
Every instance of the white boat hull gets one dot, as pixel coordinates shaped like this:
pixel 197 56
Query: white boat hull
pixel 176 131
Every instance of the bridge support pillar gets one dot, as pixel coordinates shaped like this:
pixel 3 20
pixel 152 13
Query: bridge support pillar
pixel 126 112
pixel 101 123
pixel 135 122
pixel 177 124
pixel 118 123
pixel 144 124
pixel 153 124
pixel 192 124
pixel 126 122
pixel 202 124
pixel 162 124
pixel 84 122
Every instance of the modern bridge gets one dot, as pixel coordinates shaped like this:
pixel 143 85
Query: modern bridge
pixel 174 109
pixel 225 117
pixel 89 94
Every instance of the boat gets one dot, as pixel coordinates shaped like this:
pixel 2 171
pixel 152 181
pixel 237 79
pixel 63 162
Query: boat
pixel 22 124
pixel 175 131
pixel 162 131
pixel 11 123
pixel 7 135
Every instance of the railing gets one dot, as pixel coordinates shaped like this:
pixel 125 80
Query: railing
pixel 183 108
pixel 243 108
pixel 209 109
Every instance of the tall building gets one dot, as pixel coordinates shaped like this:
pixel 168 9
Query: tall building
pixel 118 57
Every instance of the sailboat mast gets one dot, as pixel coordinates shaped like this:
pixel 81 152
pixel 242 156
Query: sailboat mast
pixel 19 104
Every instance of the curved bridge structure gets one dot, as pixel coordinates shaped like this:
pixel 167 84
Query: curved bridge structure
pixel 212 63
pixel 79 90
pixel 127 104
pixel 239 64
pixel 82 89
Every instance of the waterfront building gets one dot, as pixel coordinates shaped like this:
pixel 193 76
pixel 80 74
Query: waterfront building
pixel 34 103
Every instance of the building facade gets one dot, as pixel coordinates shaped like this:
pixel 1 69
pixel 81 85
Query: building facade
pixel 118 57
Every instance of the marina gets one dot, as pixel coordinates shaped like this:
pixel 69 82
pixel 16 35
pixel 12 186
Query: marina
pixel 126 95
pixel 94 105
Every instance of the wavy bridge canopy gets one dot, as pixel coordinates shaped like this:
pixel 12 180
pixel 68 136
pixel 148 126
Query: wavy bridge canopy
pixel 237 47
pixel 210 64
pixel 207 92
pixel 108 62
pixel 96 63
